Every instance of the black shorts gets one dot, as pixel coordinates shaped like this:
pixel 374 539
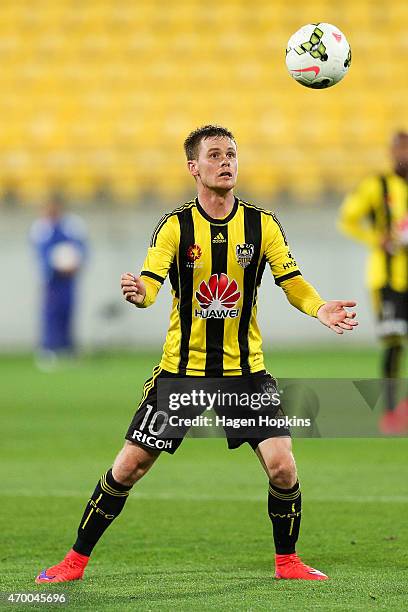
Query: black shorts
pixel 392 312
pixel 152 429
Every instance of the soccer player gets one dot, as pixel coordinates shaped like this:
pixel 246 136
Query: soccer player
pixel 376 213
pixel 214 250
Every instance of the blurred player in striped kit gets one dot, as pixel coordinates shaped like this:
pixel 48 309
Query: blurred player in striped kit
pixel 376 213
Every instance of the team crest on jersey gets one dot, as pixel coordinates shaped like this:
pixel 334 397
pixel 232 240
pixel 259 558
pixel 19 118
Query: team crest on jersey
pixel 269 387
pixel 244 253
pixel 194 253
pixel 218 298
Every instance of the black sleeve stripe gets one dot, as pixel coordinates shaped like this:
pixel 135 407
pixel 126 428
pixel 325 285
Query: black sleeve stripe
pixel 152 275
pixel 158 228
pixel 275 218
pixel 280 280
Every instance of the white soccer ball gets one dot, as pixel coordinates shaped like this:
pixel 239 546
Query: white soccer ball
pixel 318 55
pixel 65 257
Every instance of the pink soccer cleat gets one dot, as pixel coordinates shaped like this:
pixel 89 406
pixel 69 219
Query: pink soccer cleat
pixel 290 567
pixel 71 568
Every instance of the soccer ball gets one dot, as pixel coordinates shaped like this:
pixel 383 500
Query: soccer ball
pixel 65 257
pixel 318 55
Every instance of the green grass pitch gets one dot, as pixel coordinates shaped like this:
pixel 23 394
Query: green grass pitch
pixel 195 534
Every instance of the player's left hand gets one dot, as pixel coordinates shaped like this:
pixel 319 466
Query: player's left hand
pixel 334 315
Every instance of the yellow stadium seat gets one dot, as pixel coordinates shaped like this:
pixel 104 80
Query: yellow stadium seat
pixel 106 91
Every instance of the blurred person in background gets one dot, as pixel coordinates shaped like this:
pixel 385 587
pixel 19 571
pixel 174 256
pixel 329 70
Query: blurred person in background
pixel 59 239
pixel 376 213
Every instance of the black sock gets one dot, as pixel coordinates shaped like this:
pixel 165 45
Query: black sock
pixel 284 508
pixel 391 365
pixel 106 504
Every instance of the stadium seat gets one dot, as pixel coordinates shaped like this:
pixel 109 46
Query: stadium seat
pixel 105 92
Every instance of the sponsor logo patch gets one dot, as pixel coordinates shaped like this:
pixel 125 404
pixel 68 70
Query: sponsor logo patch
pixel 217 298
pixel 151 440
pixel 219 238
pixel 194 253
pixel 290 264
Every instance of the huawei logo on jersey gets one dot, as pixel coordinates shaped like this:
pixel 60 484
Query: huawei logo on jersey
pixel 217 298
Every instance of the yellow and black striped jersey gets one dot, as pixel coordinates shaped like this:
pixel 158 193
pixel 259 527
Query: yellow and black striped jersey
pixel 376 209
pixel 215 267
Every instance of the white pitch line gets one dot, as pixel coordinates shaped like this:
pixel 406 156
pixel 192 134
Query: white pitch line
pixel 382 499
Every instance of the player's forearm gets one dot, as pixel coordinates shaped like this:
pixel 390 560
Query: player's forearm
pixel 152 289
pixel 302 295
pixel 356 230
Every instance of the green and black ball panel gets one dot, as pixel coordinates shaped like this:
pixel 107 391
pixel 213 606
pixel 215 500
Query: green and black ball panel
pixel 314 46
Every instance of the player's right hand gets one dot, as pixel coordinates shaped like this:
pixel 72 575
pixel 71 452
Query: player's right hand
pixel 133 288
